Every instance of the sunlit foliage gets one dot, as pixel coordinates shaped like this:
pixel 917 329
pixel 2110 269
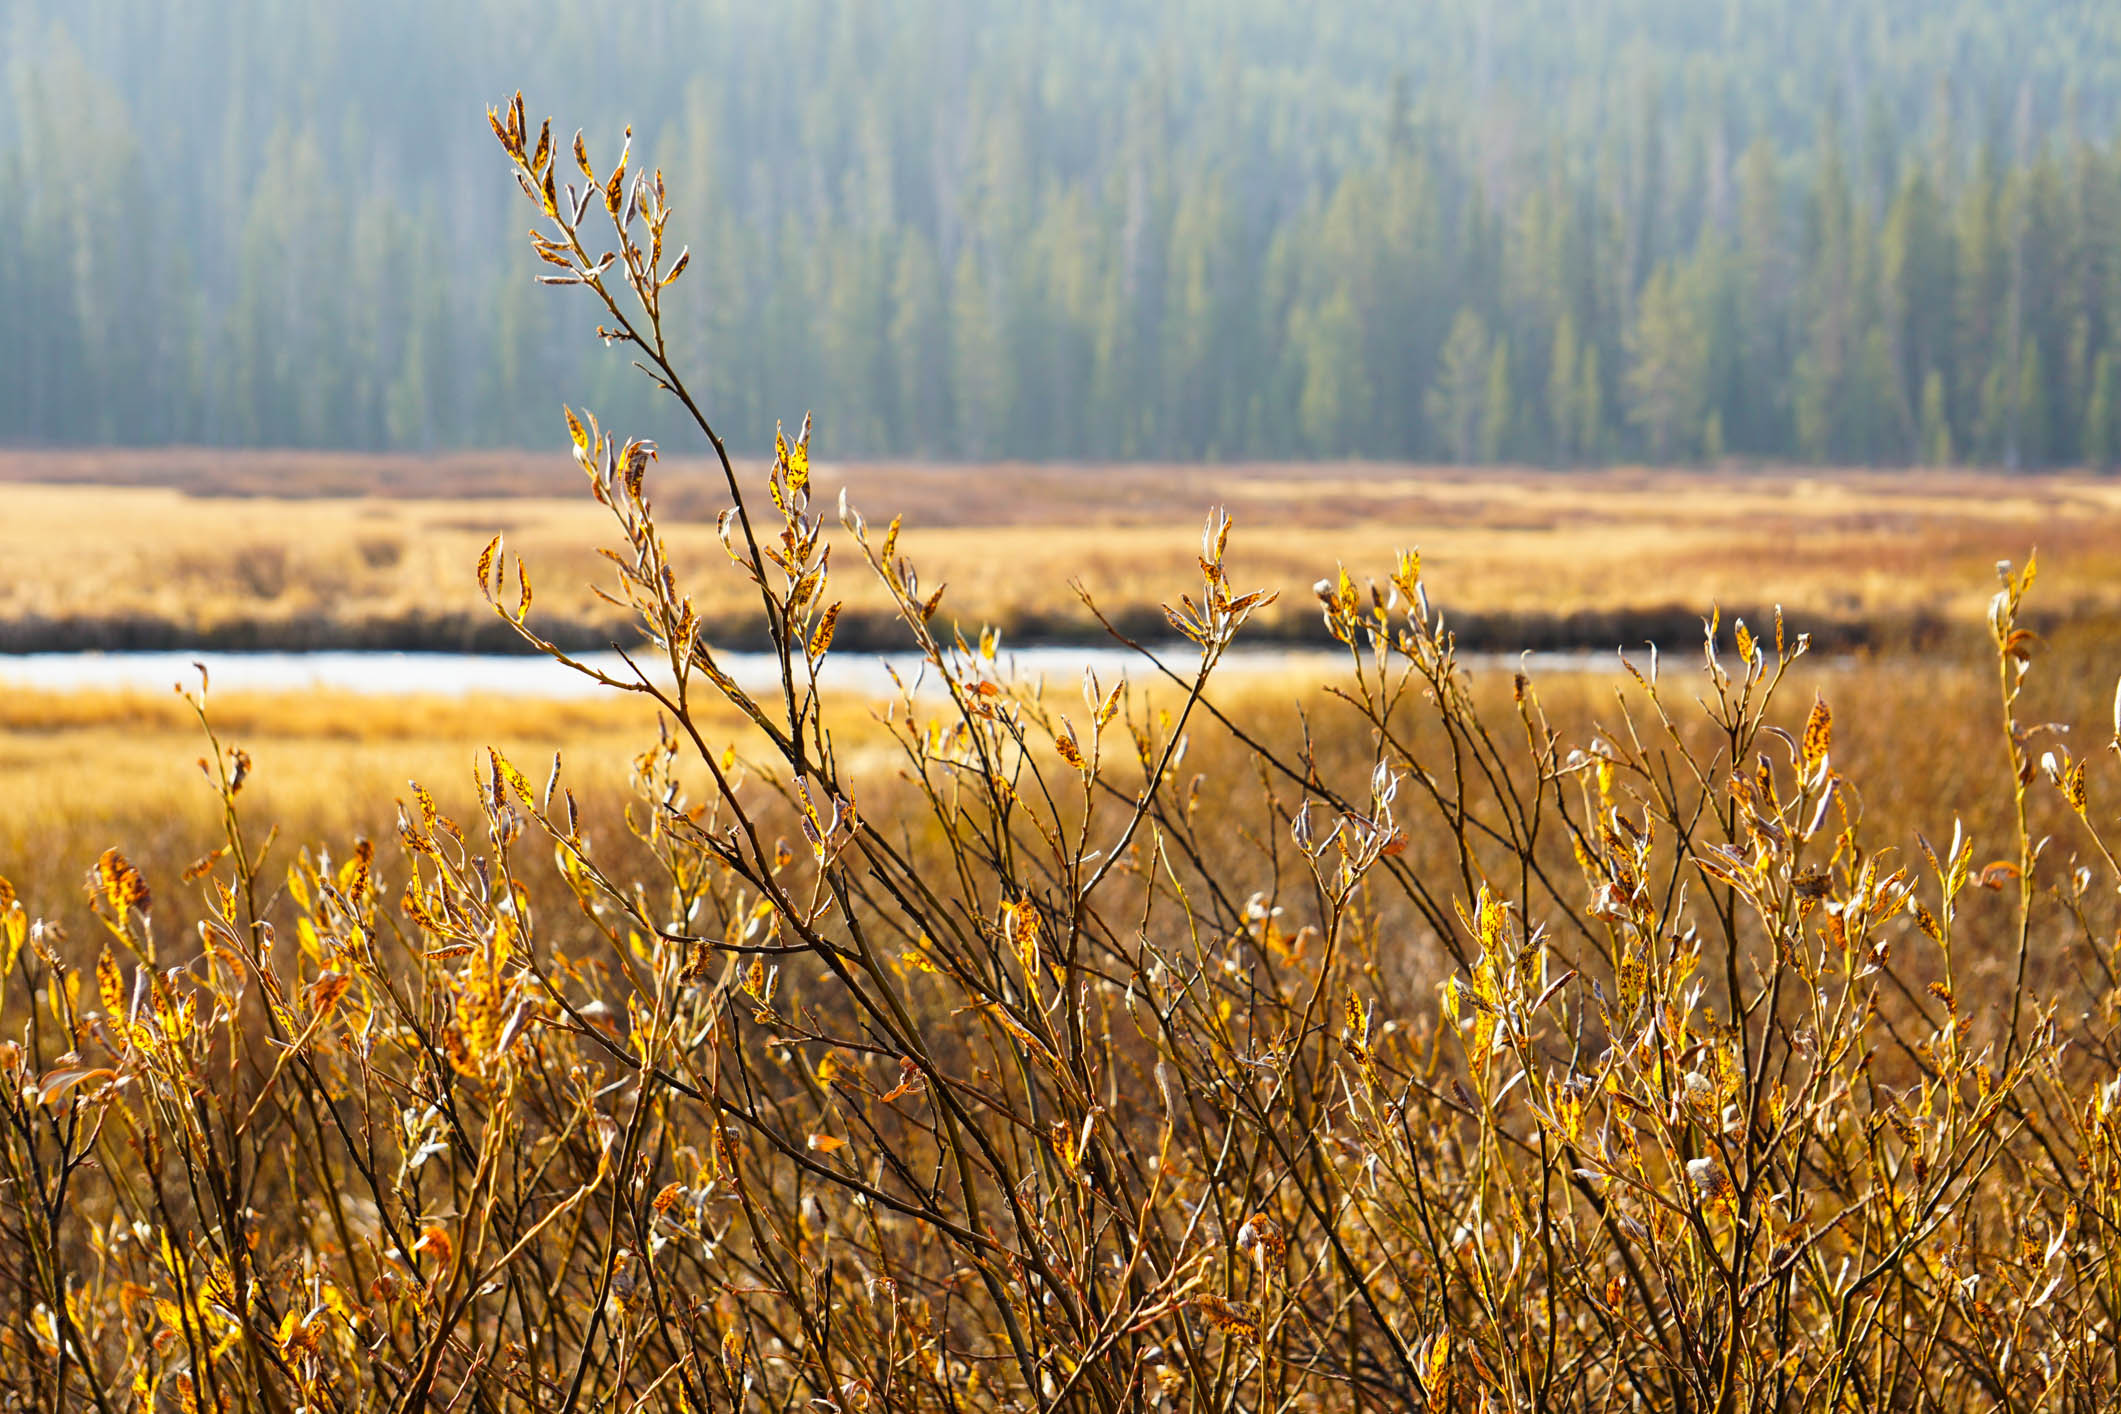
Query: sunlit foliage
pixel 1034 1092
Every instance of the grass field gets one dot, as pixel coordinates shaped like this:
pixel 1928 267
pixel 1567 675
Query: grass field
pixel 255 549
pixel 86 771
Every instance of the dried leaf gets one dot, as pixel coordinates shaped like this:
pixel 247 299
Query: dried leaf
pixel 123 887
pixel 821 637
pixel 517 781
pixel 53 1085
pixel 110 987
pixel 1236 1320
pixel 326 991
pixel 486 557
pixel 1818 736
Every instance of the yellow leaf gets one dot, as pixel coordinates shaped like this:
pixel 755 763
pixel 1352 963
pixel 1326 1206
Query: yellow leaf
pixel 123 887
pixel 1358 1019
pixel 1491 920
pixel 1439 1359
pixel 517 781
pixel 110 985
pixel 1818 736
pixel 821 639
pixel 327 991
pixel 354 874
pixel 434 1241
pixel 1020 926
pixel 1109 708
pixel 1237 1321
pixel 493 547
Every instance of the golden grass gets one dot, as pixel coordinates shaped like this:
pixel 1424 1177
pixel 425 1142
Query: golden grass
pixel 1833 548
pixel 87 770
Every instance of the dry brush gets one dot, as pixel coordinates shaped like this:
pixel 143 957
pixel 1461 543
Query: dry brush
pixel 1026 1080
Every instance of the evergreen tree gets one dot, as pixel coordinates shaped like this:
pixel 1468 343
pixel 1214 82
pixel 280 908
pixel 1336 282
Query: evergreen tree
pixel 1936 426
pixel 2100 439
pixel 1497 411
pixel 1337 393
pixel 980 375
pixel 1457 402
pixel 1667 351
pixel 920 351
pixel 1590 406
pixel 1564 421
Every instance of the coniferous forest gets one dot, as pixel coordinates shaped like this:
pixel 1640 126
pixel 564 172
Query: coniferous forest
pixel 1554 231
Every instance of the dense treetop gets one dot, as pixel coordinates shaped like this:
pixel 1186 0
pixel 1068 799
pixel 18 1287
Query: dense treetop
pixel 1555 230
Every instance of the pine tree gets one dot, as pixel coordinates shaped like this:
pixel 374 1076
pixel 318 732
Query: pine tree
pixel 980 374
pixel 2032 448
pixel 1457 401
pixel 1564 422
pixel 1667 351
pixel 1497 413
pixel 2099 431
pixel 1917 275
pixel 1590 406
pixel 1337 394
pixel 920 351
pixel 1936 425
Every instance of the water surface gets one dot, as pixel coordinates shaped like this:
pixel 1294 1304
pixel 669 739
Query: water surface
pixel 473 674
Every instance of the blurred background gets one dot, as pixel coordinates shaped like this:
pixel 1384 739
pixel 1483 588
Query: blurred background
pixel 1549 231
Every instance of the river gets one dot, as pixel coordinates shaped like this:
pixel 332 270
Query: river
pixel 472 675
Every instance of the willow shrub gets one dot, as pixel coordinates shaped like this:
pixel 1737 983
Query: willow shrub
pixel 1039 1085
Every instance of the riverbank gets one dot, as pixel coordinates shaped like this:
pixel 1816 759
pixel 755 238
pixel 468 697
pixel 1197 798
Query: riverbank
pixel 1672 628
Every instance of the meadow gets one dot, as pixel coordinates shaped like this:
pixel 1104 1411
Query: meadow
pixel 212 549
pixel 1729 1029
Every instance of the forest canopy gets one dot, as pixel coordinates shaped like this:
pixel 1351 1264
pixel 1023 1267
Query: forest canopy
pixel 1554 231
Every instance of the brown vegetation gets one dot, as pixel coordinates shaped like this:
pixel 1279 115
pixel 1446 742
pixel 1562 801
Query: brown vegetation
pixel 1461 1045
pixel 324 550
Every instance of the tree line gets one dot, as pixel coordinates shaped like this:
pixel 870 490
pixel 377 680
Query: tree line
pixel 1665 231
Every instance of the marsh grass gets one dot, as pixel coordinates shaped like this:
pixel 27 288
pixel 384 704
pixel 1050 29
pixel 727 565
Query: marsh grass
pixel 224 552
pixel 1458 1043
